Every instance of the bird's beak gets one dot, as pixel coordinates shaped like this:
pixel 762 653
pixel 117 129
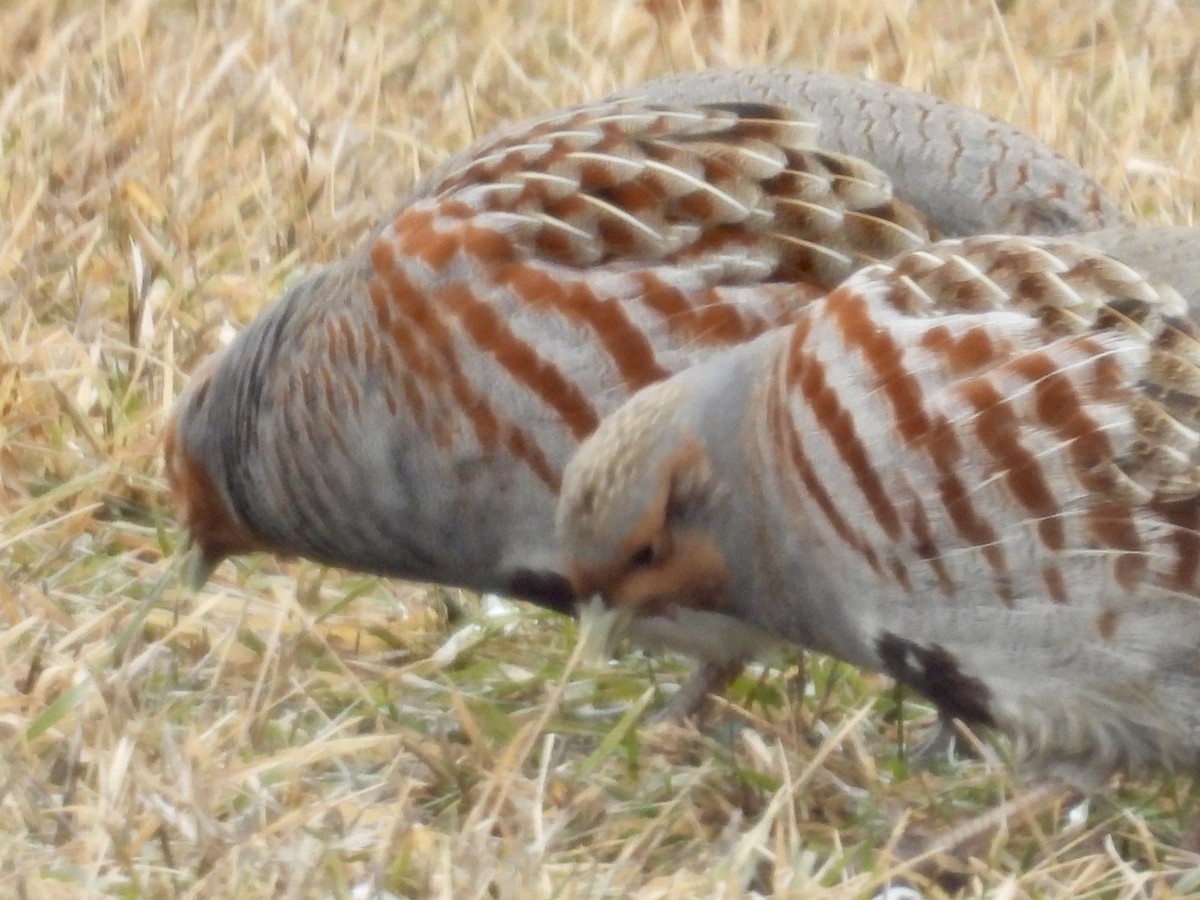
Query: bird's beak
pixel 198 566
pixel 601 627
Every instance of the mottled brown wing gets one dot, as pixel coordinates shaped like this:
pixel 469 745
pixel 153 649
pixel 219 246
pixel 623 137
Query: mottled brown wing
pixel 739 186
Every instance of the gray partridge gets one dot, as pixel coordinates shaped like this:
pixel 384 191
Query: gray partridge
pixel 408 410
pixel 975 467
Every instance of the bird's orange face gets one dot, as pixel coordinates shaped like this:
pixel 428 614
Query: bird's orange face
pixel 667 559
pixel 213 529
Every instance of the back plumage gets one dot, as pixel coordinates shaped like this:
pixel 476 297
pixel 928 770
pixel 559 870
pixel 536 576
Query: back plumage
pixel 975 467
pixel 967 172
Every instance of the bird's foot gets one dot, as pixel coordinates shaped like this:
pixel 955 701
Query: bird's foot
pixel 689 700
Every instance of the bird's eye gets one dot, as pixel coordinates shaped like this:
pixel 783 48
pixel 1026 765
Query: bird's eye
pixel 642 557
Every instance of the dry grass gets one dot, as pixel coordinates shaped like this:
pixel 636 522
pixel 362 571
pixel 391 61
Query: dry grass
pixel 165 167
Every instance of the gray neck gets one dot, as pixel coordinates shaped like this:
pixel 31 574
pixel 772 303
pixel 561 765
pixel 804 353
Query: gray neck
pixel 788 589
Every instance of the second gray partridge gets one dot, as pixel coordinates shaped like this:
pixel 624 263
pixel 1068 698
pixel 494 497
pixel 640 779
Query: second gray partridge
pixel 975 467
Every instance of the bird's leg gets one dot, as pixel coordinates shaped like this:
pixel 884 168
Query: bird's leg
pixel 936 745
pixel 1190 839
pixel 940 742
pixel 709 678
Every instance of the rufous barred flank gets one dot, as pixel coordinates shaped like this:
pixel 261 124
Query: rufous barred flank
pixel 975 467
pixel 408 410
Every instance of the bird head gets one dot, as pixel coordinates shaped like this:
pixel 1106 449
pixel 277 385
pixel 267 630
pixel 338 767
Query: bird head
pixel 214 529
pixel 638 513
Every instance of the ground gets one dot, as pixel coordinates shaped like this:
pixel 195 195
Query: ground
pixel 166 167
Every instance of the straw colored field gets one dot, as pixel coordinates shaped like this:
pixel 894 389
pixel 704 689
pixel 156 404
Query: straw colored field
pixel 165 168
